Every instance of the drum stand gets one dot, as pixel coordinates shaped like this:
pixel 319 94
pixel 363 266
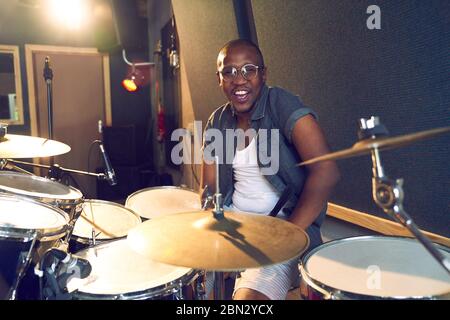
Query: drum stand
pixel 218 277
pixel 22 267
pixel 388 193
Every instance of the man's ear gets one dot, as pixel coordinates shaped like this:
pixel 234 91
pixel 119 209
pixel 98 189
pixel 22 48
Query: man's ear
pixel 264 74
pixel 218 78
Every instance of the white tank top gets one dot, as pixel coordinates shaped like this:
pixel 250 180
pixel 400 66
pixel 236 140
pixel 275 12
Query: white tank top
pixel 252 191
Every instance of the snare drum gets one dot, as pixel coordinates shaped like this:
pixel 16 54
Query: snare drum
pixel 118 273
pixel 26 227
pixel 159 201
pixel 373 267
pixel 108 220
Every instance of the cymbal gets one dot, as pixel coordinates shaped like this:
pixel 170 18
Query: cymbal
pixel 238 241
pixel 366 146
pixel 19 146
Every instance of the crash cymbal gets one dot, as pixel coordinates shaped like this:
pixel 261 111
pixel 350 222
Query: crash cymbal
pixel 366 146
pixel 19 146
pixel 238 241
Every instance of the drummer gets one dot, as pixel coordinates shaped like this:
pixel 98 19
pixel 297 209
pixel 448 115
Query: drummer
pixel 247 182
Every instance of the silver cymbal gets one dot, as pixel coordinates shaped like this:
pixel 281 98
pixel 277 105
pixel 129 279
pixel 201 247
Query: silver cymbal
pixel 366 146
pixel 20 146
pixel 238 241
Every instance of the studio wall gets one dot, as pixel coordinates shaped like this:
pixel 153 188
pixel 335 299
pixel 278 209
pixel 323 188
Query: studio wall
pixel 324 51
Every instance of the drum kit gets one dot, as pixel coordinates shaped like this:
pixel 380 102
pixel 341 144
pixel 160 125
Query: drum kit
pixel 76 248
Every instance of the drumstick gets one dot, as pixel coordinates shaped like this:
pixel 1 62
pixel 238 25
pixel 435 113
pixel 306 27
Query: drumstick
pixel 98 227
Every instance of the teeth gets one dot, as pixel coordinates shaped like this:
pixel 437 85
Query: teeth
pixel 241 92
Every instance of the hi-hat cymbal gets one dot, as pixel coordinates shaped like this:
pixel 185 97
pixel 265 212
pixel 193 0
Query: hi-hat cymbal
pixel 366 146
pixel 238 241
pixel 19 146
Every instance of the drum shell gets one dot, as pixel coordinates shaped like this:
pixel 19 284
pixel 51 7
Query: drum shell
pixel 16 242
pixel 183 286
pixel 312 288
pixel 80 242
pixel 162 204
pixel 66 203
pixel 182 289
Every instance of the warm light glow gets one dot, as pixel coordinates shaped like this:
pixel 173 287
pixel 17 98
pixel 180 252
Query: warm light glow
pixel 71 13
pixel 129 85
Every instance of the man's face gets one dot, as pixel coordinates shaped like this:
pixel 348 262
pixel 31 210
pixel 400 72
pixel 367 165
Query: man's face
pixel 242 93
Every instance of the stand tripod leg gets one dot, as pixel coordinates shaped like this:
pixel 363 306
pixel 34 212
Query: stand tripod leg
pixel 406 221
pixel 219 286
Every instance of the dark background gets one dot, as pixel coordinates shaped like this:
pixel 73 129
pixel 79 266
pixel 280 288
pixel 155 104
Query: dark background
pixel 323 51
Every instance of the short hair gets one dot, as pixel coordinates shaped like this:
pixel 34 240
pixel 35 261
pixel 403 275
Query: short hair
pixel 241 43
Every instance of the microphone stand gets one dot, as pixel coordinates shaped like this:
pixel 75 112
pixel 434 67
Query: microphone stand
pixel 55 170
pixel 48 76
pixel 388 193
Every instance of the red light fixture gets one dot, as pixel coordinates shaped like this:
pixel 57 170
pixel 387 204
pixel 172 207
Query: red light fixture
pixel 129 84
pixel 139 76
pixel 136 78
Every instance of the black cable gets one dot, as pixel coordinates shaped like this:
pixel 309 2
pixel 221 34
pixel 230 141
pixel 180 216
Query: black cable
pixel 90 152
pixel 193 173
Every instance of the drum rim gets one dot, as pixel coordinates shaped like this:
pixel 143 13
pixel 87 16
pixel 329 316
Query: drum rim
pixel 156 188
pixel 53 200
pixel 306 276
pixel 86 240
pixel 159 291
pixel 27 233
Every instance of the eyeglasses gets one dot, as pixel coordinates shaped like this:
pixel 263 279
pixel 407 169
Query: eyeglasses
pixel 248 72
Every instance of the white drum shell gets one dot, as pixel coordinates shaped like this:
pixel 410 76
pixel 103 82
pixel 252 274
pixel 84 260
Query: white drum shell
pixel 111 217
pixel 373 267
pixel 159 201
pixel 40 189
pixel 118 273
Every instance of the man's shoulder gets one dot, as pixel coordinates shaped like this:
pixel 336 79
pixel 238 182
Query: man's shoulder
pixel 220 113
pixel 279 93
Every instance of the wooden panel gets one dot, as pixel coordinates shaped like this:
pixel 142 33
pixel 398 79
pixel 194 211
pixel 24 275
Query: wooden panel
pixel 377 224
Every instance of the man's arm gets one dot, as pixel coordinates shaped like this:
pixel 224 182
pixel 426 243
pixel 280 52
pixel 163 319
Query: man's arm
pixel 310 142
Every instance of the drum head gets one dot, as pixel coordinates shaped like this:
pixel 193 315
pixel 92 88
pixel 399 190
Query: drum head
pixel 386 267
pixel 153 202
pixel 36 187
pixel 117 270
pixel 25 214
pixel 110 220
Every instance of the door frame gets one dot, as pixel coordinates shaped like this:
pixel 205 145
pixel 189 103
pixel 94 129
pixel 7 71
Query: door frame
pixel 30 49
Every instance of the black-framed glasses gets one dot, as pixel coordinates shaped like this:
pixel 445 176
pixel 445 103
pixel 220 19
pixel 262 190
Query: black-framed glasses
pixel 248 71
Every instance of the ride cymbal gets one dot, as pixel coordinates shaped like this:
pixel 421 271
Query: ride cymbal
pixel 366 146
pixel 20 146
pixel 200 241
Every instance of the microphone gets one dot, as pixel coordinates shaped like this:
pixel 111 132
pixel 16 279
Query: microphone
pixel 74 265
pixel 48 73
pixel 55 270
pixel 110 174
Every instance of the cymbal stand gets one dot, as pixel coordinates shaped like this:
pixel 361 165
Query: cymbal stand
pixel 388 195
pixel 218 277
